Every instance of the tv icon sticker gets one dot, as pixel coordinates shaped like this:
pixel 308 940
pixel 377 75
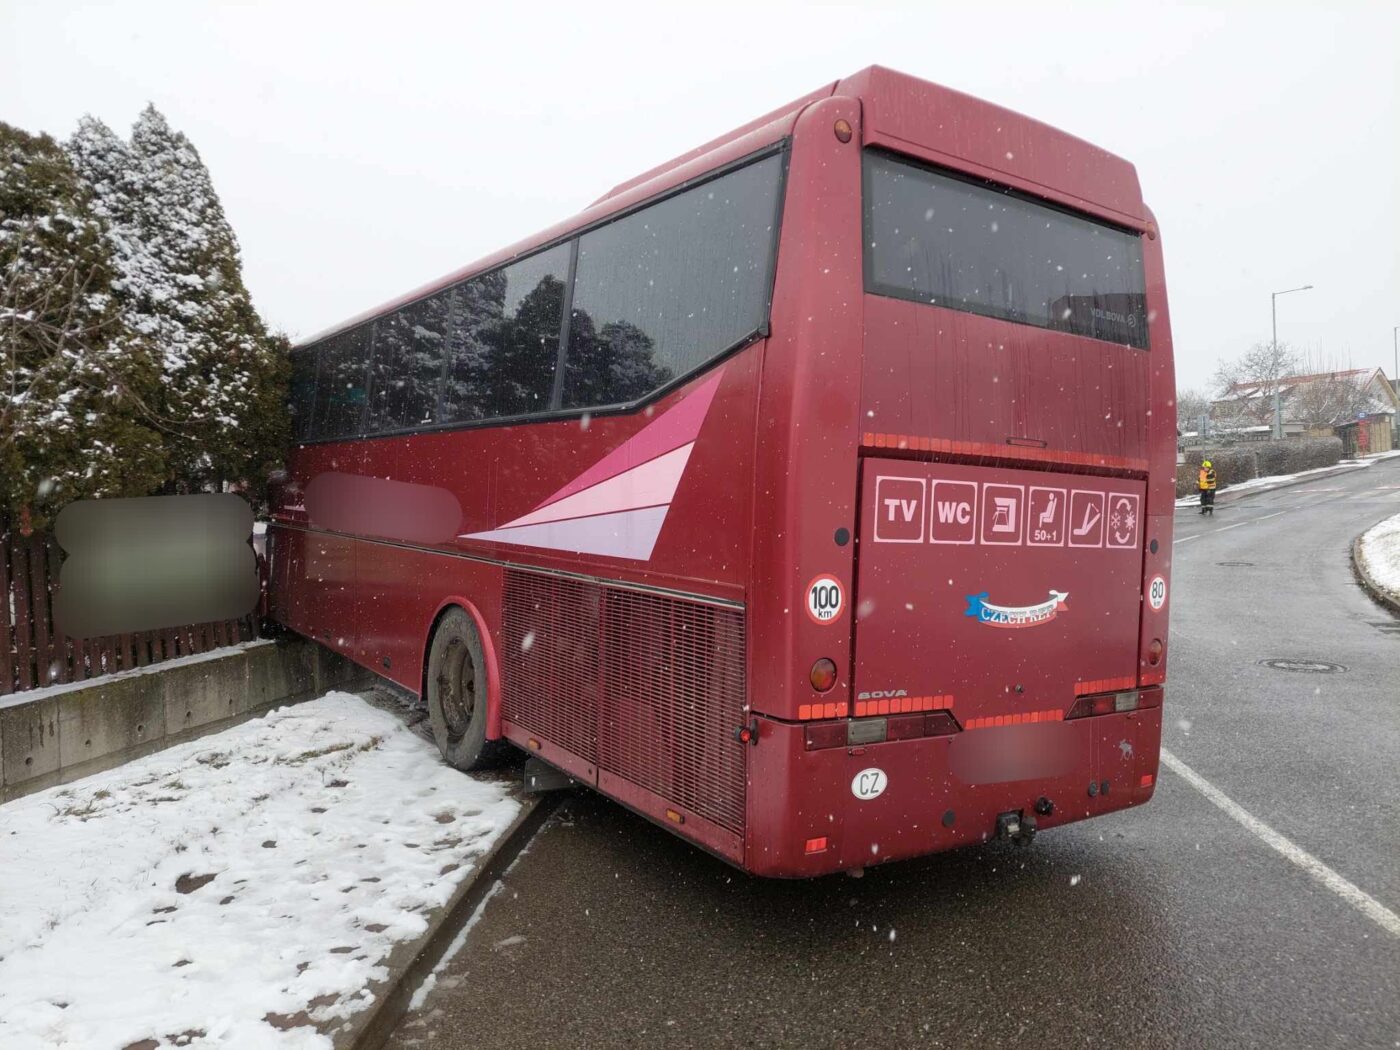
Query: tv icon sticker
pixel 1003 507
pixel 1045 517
pixel 1085 519
pixel 1123 521
pixel 954 517
pixel 899 510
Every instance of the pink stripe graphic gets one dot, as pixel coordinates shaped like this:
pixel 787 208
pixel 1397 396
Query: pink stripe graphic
pixel 651 484
pixel 677 426
pixel 628 534
pixel 616 507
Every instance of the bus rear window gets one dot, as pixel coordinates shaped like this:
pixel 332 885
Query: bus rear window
pixel 934 237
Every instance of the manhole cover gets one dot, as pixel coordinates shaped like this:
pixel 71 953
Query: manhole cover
pixel 1234 564
pixel 1306 666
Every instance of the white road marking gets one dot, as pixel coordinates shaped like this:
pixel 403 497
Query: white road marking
pixel 1236 525
pixel 1349 892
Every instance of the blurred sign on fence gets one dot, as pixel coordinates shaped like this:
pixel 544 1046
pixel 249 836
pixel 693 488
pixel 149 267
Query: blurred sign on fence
pixel 153 562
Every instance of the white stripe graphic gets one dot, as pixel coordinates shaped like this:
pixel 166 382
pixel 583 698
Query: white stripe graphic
pixel 1352 894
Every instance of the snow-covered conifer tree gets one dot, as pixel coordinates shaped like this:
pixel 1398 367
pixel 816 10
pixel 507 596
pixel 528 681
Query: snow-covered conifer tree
pixel 180 285
pixel 77 386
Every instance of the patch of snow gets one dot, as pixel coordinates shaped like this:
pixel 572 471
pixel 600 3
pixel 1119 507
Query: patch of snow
pixel 1380 546
pixel 233 886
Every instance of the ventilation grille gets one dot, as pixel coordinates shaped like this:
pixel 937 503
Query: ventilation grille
pixel 549 682
pixel 647 687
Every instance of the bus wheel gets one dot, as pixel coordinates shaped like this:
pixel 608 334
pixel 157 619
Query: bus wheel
pixel 457 693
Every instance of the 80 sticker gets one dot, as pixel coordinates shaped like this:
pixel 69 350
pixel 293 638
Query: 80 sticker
pixel 1157 593
pixel 826 599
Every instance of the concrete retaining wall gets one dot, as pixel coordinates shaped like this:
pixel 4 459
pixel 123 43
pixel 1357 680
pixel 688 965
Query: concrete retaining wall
pixel 54 735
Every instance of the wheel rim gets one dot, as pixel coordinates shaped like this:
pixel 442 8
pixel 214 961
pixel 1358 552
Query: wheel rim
pixel 456 685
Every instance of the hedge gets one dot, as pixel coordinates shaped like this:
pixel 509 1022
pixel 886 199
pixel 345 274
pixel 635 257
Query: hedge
pixel 1267 459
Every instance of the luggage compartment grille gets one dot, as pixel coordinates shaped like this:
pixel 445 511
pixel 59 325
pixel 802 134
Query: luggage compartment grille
pixel 649 687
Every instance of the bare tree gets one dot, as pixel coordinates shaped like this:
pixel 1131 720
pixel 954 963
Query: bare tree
pixel 1338 395
pixel 1191 404
pixel 1247 384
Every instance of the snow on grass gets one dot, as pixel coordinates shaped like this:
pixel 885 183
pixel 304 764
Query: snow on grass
pixel 1380 546
pixel 233 891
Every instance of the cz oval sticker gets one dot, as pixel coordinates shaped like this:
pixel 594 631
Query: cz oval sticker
pixel 825 599
pixel 869 783
pixel 1157 593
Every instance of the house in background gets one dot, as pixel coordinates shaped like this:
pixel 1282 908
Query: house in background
pixel 1359 405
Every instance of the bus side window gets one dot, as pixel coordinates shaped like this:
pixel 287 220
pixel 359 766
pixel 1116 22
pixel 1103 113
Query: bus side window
pixel 668 288
pixel 302 393
pixel 340 384
pixel 503 343
pixel 406 365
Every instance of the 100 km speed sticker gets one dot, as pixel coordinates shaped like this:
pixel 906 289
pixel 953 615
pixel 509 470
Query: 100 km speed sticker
pixel 1157 593
pixel 825 599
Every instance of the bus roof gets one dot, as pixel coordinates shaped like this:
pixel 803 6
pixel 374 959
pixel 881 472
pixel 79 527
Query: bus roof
pixel 900 112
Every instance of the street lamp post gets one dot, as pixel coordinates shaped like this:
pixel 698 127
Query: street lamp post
pixel 1278 401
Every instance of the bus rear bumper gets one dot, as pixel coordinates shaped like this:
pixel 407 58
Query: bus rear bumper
pixel 817 811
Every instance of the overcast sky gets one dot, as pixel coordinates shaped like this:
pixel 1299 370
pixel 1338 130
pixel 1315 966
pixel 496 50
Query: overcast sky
pixel 362 150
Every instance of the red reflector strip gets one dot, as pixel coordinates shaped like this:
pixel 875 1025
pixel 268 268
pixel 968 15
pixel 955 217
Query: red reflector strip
pixel 914 443
pixel 828 734
pixel 1146 780
pixel 1021 718
pixel 1105 685
pixel 903 705
pixel 1153 675
pixel 806 712
pixel 816 845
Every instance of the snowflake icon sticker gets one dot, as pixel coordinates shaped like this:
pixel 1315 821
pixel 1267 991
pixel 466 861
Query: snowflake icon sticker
pixel 1123 521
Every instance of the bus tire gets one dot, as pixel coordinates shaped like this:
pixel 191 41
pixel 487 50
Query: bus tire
pixel 457 689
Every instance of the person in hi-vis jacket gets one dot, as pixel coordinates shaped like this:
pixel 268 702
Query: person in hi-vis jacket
pixel 1206 483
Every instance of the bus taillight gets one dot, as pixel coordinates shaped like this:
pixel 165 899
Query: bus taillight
pixel 823 675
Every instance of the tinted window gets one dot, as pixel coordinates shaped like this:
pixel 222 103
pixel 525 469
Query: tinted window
pixel 669 287
pixel 302 393
pixel 938 239
pixel 406 368
pixel 503 343
pixel 340 384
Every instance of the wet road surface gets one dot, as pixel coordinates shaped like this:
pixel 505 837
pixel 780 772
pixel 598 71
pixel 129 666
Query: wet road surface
pixel 1170 925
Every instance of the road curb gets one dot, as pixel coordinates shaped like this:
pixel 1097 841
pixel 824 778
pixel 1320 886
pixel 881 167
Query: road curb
pixel 1381 595
pixel 410 963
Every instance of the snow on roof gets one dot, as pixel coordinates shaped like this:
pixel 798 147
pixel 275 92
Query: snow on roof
pixel 1248 389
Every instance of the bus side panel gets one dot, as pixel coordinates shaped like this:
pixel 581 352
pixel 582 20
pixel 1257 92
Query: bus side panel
pixel 401 591
pixel 808 430
pixel 1161 486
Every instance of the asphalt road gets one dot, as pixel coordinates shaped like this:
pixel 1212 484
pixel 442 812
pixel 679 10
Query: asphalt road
pixel 1171 925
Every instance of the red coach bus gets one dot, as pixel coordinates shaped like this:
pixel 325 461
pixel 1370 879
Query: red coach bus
pixel 810 494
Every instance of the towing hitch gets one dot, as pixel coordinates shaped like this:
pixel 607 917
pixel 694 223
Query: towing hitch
pixel 1016 826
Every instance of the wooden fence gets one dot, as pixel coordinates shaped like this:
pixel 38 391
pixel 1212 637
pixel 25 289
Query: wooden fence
pixel 35 653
